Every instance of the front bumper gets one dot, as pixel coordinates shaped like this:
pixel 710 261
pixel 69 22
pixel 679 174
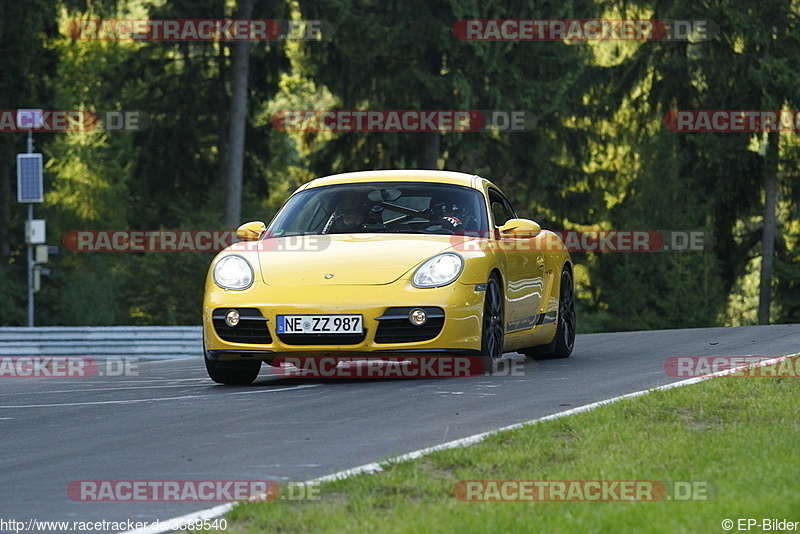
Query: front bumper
pixel 457 331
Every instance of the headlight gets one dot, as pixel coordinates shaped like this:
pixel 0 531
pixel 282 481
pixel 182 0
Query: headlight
pixel 233 272
pixel 438 271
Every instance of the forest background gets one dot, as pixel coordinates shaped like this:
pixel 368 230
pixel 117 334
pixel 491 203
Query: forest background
pixel 599 157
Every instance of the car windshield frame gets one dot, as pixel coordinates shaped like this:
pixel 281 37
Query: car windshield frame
pixel 390 207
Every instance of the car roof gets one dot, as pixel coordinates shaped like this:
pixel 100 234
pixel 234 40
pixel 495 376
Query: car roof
pixel 445 177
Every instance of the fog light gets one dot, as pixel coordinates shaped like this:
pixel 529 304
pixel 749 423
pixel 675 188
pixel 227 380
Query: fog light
pixel 232 318
pixel 417 316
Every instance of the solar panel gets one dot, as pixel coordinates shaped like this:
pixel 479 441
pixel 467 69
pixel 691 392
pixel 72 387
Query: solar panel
pixel 29 178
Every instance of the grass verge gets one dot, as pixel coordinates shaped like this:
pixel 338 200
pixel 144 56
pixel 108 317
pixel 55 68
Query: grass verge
pixel 739 435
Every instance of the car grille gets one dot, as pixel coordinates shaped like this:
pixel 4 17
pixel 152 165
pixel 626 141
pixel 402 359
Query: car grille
pixel 394 326
pixel 252 327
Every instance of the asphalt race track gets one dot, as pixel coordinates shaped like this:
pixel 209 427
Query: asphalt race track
pixel 173 423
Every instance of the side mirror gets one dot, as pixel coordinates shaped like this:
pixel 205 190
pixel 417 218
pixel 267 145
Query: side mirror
pixel 520 229
pixel 251 231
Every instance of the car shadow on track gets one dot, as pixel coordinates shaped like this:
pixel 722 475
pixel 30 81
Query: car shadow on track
pixel 512 366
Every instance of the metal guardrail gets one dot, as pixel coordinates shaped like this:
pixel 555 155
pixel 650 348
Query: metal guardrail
pixel 146 342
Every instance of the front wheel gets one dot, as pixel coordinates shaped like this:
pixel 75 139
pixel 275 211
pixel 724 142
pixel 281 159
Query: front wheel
pixel 493 331
pixel 236 373
pixel 564 340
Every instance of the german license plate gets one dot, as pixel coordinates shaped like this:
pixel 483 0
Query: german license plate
pixel 320 324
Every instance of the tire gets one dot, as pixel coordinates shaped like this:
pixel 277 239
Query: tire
pixel 237 373
pixel 493 327
pixel 564 340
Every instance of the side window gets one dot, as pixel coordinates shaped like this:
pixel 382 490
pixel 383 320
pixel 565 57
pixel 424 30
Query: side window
pixel 501 209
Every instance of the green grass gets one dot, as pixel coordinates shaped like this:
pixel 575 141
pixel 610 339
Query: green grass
pixel 740 434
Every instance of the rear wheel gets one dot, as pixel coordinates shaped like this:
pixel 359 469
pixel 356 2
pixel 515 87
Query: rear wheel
pixel 564 340
pixel 236 373
pixel 493 331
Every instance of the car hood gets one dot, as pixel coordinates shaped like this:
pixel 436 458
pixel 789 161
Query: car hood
pixel 345 259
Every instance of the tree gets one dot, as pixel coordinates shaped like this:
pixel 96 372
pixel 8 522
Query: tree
pixel 744 68
pixel 241 53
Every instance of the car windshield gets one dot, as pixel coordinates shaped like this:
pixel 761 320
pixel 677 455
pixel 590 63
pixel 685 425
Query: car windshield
pixel 382 207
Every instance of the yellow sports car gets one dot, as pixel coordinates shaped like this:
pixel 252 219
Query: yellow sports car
pixel 388 264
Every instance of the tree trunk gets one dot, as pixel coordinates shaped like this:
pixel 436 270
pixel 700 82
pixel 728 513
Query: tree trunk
pixel 5 203
pixel 224 124
pixel 768 236
pixel 238 120
pixel 429 150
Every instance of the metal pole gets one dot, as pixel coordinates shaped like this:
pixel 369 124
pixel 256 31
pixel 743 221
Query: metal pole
pixel 30 271
pixel 30 247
